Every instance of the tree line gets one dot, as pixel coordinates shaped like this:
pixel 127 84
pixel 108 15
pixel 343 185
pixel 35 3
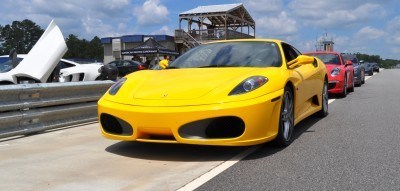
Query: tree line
pixel 383 63
pixel 22 36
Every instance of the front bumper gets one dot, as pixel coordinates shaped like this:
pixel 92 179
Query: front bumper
pixel 162 124
pixel 335 86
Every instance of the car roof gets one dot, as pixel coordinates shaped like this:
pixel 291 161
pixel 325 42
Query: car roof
pixel 249 40
pixel 323 52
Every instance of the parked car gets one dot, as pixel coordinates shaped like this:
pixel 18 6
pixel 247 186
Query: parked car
pixel 369 69
pixel 65 71
pixel 40 62
pixel 72 72
pixel 234 92
pixel 340 73
pixel 375 67
pixel 359 70
pixel 126 67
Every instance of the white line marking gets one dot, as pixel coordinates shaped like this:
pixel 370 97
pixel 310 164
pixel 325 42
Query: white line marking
pixel 225 165
pixel 4 145
pixel 217 170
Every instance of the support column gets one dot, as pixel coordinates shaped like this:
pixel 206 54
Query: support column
pixel 226 28
pixel 189 24
pixel 201 27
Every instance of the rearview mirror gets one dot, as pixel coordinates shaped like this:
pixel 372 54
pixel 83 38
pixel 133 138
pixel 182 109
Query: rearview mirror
pixel 349 63
pixel 300 60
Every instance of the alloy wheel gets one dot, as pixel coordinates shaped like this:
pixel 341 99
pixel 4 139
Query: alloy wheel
pixel 325 97
pixel 287 116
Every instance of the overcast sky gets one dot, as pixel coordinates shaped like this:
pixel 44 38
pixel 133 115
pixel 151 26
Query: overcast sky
pixel 366 26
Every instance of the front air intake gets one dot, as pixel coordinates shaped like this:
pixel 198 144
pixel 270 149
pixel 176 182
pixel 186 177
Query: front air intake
pixel 213 128
pixel 114 125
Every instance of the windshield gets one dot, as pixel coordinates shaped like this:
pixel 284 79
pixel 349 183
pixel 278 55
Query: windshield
pixel 5 64
pixel 327 58
pixel 352 58
pixel 230 54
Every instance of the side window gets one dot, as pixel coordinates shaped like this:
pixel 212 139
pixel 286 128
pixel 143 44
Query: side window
pixel 126 63
pixel 119 64
pixel 63 65
pixel 113 63
pixel 290 52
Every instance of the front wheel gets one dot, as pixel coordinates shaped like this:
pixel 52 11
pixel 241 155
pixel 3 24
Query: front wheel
pixel 362 77
pixel 286 121
pixel 324 109
pixel 344 91
pixel 351 89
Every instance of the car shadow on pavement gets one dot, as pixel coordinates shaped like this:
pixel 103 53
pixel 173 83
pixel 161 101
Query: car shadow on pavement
pixel 198 153
pixel 173 152
pixel 270 148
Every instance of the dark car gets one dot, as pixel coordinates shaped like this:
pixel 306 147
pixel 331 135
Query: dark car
pixel 369 69
pixel 126 67
pixel 375 67
pixel 359 70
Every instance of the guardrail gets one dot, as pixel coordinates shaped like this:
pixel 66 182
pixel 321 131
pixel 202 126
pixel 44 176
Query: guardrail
pixel 30 108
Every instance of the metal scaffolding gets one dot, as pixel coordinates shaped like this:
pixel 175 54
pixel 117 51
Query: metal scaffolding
pixel 215 22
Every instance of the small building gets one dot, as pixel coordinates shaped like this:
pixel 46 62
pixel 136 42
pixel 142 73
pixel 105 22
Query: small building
pixel 213 22
pixel 114 45
pixel 325 43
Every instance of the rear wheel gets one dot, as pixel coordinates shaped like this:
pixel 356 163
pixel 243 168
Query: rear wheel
pixel 286 121
pixel 324 110
pixel 344 91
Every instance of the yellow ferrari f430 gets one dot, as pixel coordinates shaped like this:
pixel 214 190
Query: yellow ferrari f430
pixel 234 92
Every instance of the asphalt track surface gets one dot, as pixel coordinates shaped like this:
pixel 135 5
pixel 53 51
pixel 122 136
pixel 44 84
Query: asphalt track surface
pixel 356 147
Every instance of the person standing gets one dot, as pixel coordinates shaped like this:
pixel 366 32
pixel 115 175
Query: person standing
pixel 164 63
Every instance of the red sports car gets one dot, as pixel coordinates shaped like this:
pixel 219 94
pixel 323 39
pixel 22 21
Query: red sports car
pixel 341 74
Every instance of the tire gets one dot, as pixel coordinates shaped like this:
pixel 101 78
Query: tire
pixel 286 119
pixel 324 109
pixel 344 92
pixel 351 89
pixel 362 77
pixel 371 73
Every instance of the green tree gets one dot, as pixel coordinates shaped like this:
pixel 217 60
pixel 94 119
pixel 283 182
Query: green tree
pixel 95 49
pixel 388 63
pixel 21 35
pixel 81 48
pixel 75 46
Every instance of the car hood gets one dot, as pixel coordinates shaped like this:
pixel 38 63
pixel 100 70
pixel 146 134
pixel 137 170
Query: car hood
pixel 330 67
pixel 183 83
pixel 196 86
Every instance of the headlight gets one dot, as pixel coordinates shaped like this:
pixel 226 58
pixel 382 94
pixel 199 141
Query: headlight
pixel 335 71
pixel 249 85
pixel 114 88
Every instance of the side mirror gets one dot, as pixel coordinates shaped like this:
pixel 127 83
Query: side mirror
pixel 349 63
pixel 300 60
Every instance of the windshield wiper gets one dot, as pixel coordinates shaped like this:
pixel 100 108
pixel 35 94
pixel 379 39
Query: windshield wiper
pixel 172 67
pixel 215 66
